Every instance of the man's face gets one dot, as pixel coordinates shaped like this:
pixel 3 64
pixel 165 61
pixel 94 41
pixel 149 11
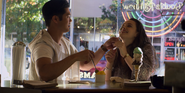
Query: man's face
pixel 64 24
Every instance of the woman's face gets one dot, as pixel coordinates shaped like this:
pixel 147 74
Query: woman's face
pixel 128 30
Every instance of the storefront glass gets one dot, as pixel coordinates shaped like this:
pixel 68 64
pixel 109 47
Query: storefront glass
pixel 91 33
pixel 169 54
pixel 23 21
pixel 162 24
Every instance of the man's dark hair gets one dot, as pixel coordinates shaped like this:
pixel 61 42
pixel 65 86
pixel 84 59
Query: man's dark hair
pixel 183 24
pixel 54 7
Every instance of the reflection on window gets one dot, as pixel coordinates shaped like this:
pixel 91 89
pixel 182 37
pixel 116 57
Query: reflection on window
pixel 180 54
pixel 86 38
pixel 83 25
pixel 169 42
pixel 23 22
pixel 158 51
pixel 169 54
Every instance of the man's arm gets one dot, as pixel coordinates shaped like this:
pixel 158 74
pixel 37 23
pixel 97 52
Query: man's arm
pixel 98 54
pixel 47 70
pixel 88 65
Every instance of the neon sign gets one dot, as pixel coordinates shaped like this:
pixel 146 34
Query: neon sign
pixel 169 44
pixel 167 23
pixel 179 39
pixel 169 58
pixel 151 6
pixel 87 75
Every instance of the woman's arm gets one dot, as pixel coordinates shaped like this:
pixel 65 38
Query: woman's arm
pixel 108 71
pixel 110 57
pixel 124 53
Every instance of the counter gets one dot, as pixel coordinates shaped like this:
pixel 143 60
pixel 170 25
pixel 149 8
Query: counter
pixel 91 87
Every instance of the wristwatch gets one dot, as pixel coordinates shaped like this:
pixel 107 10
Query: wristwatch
pixel 104 48
pixel 126 56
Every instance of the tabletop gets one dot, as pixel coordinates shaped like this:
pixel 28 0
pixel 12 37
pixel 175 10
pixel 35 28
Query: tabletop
pixel 108 86
pixel 87 87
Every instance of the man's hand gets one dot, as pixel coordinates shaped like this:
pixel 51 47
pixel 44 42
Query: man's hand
pixel 85 55
pixel 109 43
pixel 85 58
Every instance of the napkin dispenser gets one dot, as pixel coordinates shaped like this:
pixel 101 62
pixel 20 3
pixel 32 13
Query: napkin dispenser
pixel 18 62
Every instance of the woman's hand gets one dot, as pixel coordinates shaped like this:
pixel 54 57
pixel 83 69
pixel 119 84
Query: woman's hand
pixel 110 56
pixel 122 47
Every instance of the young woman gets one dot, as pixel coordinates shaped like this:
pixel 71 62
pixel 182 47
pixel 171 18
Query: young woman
pixel 119 61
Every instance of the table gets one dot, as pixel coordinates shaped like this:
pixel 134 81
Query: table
pixel 91 87
pixel 102 87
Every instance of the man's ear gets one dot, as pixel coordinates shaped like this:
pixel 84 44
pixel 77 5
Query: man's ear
pixel 55 19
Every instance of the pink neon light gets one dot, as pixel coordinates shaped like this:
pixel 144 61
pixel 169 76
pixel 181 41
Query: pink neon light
pixel 149 17
pixel 162 33
pixel 169 29
pixel 125 16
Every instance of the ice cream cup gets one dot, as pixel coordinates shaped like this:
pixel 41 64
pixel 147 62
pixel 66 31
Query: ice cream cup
pixel 100 78
pixel 136 67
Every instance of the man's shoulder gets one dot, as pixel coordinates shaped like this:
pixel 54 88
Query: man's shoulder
pixel 66 38
pixel 42 44
pixel 71 45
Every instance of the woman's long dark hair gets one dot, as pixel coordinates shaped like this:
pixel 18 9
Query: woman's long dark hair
pixel 140 40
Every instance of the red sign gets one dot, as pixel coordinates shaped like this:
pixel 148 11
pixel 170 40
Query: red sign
pixel 169 44
pixel 169 58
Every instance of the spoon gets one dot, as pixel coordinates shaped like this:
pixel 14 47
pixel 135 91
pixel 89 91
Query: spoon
pixel 96 70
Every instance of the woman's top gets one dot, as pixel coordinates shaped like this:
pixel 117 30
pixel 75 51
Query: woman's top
pixel 150 62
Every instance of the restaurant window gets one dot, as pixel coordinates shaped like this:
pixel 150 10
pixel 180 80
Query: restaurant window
pixel 180 39
pixel 169 44
pixel 170 40
pixel 180 46
pixel 180 54
pixel 83 33
pixel 174 46
pixel 91 33
pixel 169 54
pixel 158 52
pixel 23 21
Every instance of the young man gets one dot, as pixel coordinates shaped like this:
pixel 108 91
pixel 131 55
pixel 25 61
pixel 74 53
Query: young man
pixel 53 57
